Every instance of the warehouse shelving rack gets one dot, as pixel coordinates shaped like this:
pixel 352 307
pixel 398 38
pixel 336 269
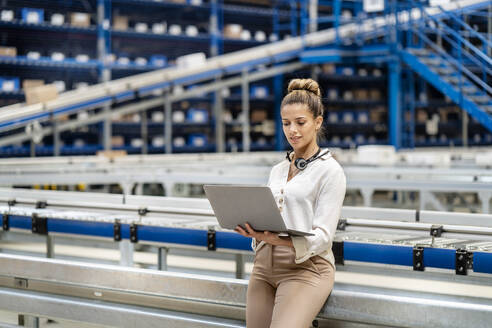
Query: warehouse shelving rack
pixel 355 51
pixel 106 39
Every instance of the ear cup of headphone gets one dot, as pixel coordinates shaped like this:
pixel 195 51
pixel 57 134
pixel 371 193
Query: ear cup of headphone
pixel 301 163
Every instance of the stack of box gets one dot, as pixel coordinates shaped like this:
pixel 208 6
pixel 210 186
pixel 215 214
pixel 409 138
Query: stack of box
pixel 258 115
pixel 8 51
pixel 41 93
pixel 80 19
pixel 233 31
pixel 120 23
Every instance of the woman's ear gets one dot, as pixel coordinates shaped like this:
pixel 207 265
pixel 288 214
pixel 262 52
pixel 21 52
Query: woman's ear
pixel 318 122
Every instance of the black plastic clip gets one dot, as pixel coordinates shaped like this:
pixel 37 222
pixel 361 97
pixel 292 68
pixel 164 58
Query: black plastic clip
pixel 143 211
pixel 11 202
pixel 133 233
pixel 117 231
pixel 463 261
pixel 5 222
pixel 342 224
pixel 211 240
pixel 41 204
pixel 39 225
pixel 337 248
pixel 436 230
pixel 418 258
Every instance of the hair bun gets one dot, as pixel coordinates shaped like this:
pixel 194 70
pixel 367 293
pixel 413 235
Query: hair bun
pixel 304 84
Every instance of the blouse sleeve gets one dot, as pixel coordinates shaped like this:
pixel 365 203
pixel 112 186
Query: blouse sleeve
pixel 326 215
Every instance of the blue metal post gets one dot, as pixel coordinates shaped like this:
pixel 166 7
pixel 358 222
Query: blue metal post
pixel 293 17
pixel 394 107
pixel 411 123
pixel 279 133
pixel 337 9
pixel 103 49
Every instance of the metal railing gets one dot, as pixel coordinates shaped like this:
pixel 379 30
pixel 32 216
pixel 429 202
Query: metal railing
pixel 427 26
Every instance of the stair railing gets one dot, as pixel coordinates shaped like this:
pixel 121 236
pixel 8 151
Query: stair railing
pixel 421 29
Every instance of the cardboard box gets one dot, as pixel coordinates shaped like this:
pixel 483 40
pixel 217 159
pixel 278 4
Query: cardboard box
pixel 377 115
pixel 258 115
pixel 80 19
pixel 375 94
pixel 27 84
pixel 421 116
pixel 41 94
pixel 361 94
pixel 233 31
pixel 328 68
pixel 117 141
pixel 8 51
pixel 120 23
pixel 112 154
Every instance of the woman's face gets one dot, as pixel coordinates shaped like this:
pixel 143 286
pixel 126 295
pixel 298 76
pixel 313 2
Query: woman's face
pixel 299 125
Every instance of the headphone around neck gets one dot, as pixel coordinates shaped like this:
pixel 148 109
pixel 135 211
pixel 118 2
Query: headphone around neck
pixel 302 163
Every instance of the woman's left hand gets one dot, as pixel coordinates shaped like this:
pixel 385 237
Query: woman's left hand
pixel 266 236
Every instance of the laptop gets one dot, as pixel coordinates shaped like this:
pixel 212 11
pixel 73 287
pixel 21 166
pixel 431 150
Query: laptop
pixel 234 205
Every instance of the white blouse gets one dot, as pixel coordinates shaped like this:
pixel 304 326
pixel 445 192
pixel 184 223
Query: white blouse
pixel 311 201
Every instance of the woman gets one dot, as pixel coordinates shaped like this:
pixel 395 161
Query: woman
pixel 293 276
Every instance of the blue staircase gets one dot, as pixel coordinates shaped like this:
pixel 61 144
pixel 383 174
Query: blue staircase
pixel 458 68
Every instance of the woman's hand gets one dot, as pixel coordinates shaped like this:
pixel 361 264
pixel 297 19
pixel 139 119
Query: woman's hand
pixel 266 236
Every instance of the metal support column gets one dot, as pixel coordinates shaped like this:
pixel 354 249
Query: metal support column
pixel 464 127
pixel 50 247
pixel 144 132
pixel 126 253
pixel 56 138
pixel 162 258
pixel 32 149
pixel 245 110
pixel 168 124
pixel 394 107
pixel 278 81
pixel 219 123
pixel 313 16
pixel 240 266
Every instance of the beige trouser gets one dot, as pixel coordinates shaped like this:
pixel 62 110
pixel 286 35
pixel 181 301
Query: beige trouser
pixel 283 294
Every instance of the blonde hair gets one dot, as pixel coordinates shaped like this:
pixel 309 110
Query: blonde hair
pixel 305 92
